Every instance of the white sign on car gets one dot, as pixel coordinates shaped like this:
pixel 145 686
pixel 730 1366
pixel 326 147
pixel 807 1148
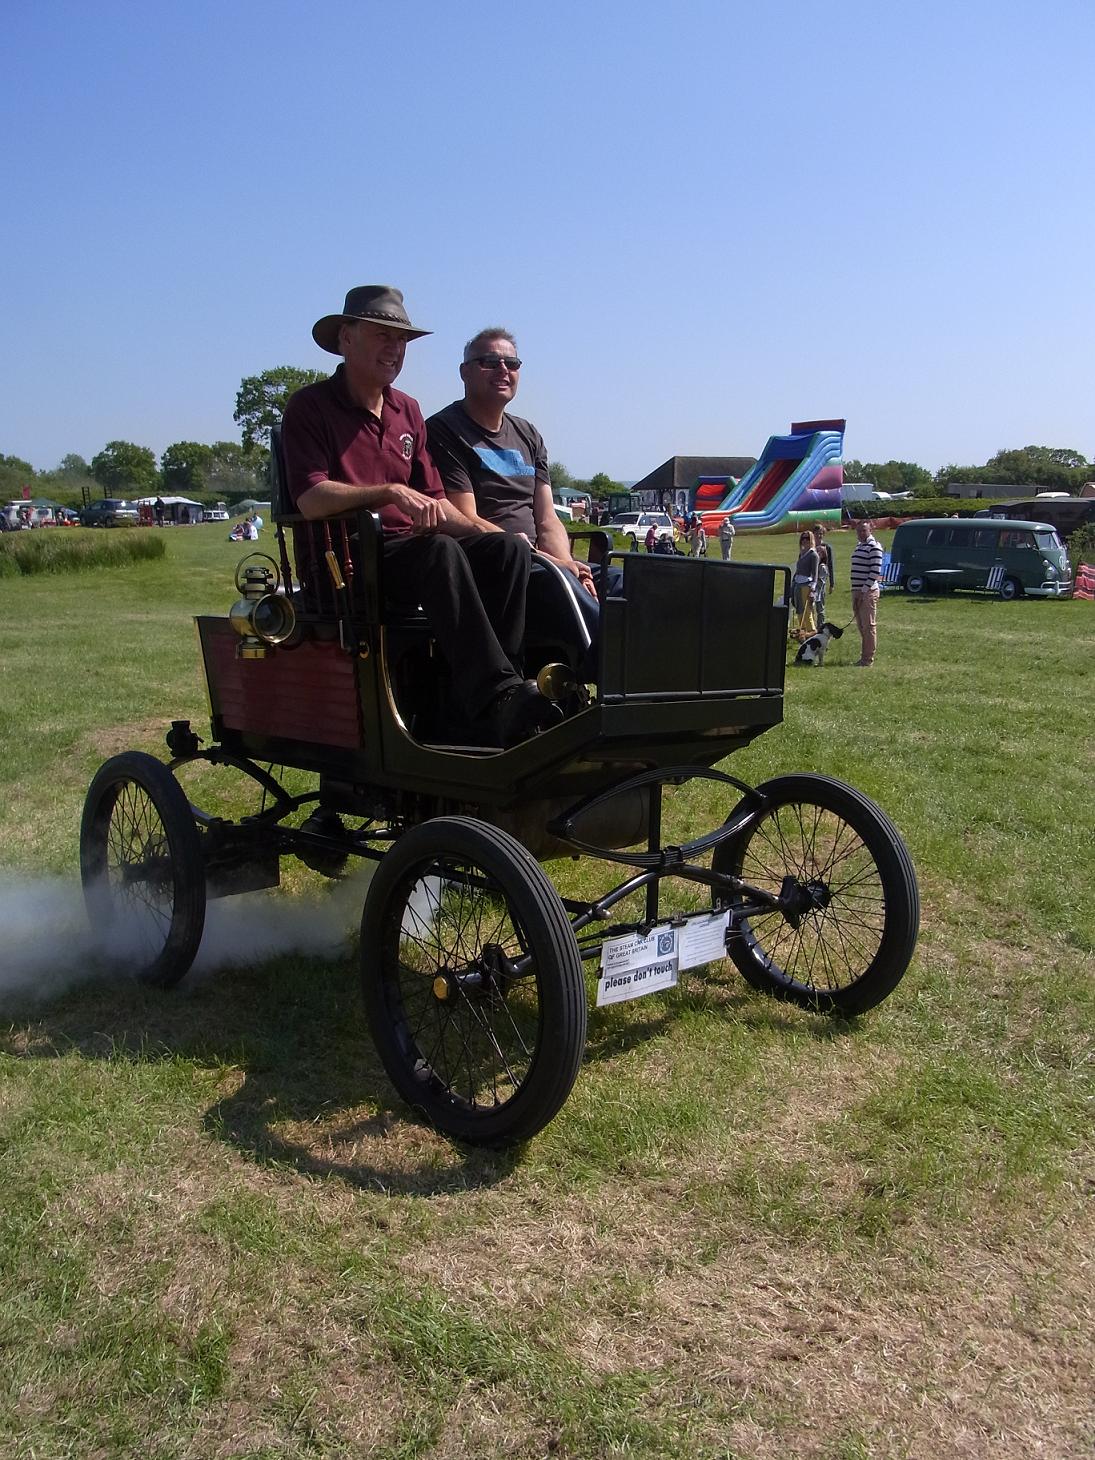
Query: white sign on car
pixel 638 964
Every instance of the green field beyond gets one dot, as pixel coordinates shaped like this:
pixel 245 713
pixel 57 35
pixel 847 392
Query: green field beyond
pixel 751 1232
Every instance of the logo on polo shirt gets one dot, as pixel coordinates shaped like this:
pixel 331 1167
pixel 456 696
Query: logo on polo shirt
pixel 407 443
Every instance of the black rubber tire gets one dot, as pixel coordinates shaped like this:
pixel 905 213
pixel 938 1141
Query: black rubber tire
pixel 1010 589
pixel 852 947
pixel 915 584
pixel 493 1064
pixel 142 868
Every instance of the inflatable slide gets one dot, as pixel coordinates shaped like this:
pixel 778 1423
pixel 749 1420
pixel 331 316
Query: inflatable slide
pixel 796 481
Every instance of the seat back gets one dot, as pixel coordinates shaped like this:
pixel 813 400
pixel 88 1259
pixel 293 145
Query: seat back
pixel 352 539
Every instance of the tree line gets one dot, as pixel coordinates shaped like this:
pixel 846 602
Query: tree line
pixel 230 470
pixel 1052 468
pixel 219 469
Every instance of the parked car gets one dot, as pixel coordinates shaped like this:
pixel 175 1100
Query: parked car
pixel 217 513
pixel 635 525
pixel 1008 557
pixel 1063 512
pixel 109 512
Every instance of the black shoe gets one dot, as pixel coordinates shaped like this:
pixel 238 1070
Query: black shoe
pixel 520 712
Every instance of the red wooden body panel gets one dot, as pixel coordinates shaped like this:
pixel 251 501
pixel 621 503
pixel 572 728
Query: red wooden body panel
pixel 306 693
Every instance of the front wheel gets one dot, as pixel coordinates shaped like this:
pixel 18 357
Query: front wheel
pixel 1010 589
pixel 473 982
pixel 142 868
pixel 915 584
pixel 845 926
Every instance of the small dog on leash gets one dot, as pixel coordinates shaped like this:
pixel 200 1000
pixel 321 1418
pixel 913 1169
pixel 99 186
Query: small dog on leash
pixel 811 653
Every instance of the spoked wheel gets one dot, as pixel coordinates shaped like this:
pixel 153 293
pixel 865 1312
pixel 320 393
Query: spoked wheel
pixel 849 910
pixel 473 981
pixel 142 869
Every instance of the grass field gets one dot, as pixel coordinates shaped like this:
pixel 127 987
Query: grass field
pixel 751 1232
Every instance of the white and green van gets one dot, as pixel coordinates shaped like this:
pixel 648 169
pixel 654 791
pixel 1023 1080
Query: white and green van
pixel 1006 557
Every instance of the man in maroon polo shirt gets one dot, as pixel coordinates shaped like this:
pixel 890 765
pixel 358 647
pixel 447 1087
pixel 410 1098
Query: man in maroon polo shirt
pixel 353 441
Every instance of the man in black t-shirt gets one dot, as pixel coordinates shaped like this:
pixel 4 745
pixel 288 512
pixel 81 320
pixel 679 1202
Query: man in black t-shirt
pixel 494 465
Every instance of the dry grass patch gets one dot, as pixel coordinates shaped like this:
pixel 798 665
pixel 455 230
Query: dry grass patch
pixel 147 733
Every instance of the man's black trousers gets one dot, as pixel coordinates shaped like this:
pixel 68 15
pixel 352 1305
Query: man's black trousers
pixel 472 591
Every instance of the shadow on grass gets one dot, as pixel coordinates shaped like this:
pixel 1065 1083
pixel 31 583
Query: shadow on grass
pixel 295 1030
pixel 965 595
pixel 620 1028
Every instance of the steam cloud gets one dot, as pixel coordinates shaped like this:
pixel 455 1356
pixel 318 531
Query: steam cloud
pixel 48 946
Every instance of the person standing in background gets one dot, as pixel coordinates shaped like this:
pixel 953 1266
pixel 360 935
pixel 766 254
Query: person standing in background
pixel 804 586
pixel 866 586
pixel 826 578
pixel 727 533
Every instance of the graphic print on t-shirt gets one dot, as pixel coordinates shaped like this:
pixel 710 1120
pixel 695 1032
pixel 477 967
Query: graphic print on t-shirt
pixel 505 463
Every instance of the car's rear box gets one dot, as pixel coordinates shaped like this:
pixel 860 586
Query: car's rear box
pixel 692 667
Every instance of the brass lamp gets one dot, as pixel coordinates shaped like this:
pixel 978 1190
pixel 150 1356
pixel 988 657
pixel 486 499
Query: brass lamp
pixel 262 616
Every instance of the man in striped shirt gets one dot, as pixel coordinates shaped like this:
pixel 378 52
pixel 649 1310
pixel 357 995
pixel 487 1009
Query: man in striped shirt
pixel 866 583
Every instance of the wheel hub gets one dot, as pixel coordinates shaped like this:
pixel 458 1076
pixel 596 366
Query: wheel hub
pixel 477 980
pixel 797 899
pixel 150 867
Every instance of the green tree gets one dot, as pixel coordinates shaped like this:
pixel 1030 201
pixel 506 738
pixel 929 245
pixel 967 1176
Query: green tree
pixel 15 474
pixel 184 468
pixel 73 466
pixel 891 476
pixel 1054 467
pixel 559 475
pixel 600 484
pixel 125 469
pixel 1031 466
pixel 236 473
pixel 261 401
pixel 1039 457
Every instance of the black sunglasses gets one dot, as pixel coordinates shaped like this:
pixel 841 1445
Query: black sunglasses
pixel 492 362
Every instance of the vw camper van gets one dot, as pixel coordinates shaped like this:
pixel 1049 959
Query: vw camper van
pixel 1008 557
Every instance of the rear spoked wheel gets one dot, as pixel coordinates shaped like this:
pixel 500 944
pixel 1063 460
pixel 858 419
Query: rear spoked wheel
pixel 142 869
pixel 848 911
pixel 473 982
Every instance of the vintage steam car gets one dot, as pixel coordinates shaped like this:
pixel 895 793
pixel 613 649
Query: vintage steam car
pixel 472 964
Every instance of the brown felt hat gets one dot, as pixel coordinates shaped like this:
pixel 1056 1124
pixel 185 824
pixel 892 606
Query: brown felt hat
pixel 377 303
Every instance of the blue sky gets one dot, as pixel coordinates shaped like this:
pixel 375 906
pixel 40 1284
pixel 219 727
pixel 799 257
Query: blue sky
pixel 701 221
